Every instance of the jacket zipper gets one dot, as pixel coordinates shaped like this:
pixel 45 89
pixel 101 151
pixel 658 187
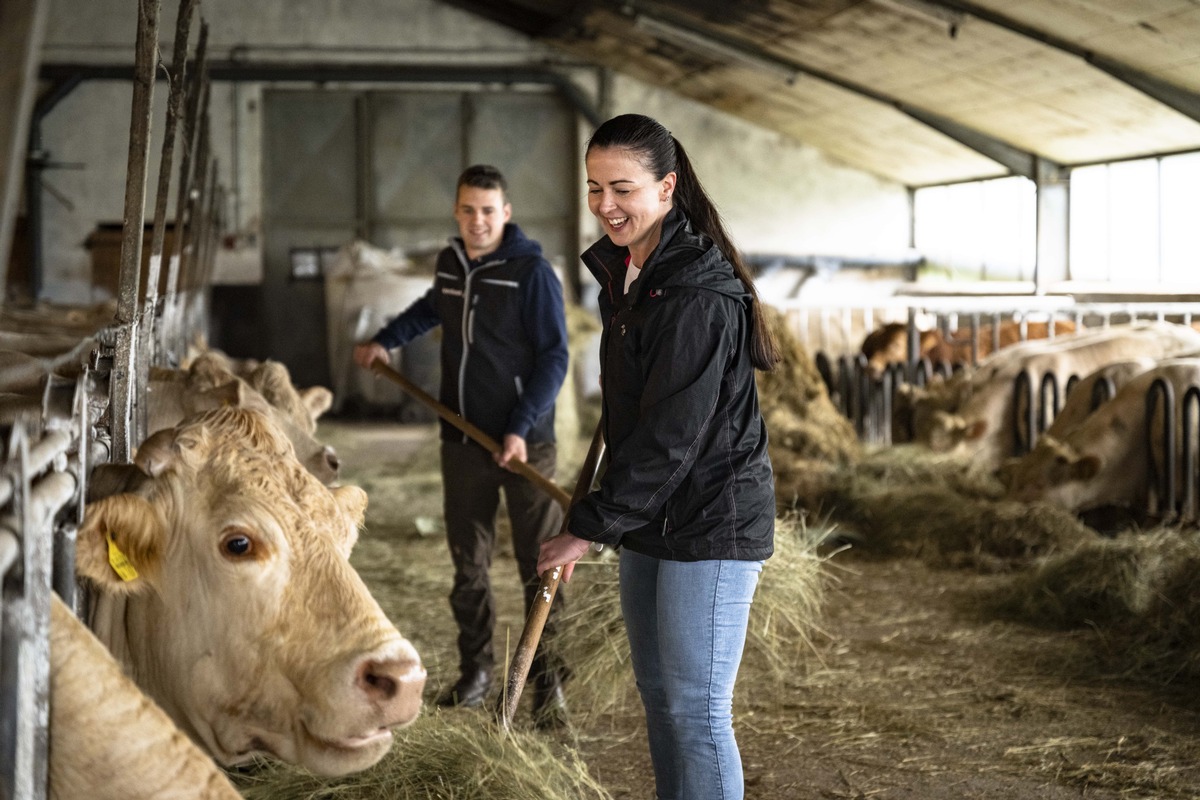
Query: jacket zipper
pixel 468 314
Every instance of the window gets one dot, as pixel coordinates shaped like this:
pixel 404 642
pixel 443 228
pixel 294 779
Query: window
pixel 1130 222
pixel 984 230
pixel 1135 221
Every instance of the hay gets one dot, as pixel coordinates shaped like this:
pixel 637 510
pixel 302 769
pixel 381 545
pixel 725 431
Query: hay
pixel 783 621
pixel 904 501
pixel 1140 592
pixel 900 503
pixel 458 755
pixel 801 421
pixel 572 406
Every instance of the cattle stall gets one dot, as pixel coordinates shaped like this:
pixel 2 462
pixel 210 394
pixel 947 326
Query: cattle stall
pixel 76 396
pixel 866 394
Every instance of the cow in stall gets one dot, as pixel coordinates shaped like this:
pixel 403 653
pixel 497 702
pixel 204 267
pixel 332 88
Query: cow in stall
pixel 982 426
pixel 223 587
pixel 173 395
pixel 918 411
pixel 888 344
pixel 108 741
pixel 1104 461
pixel 1087 394
pixel 272 380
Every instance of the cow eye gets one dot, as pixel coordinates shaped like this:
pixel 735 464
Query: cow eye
pixel 237 544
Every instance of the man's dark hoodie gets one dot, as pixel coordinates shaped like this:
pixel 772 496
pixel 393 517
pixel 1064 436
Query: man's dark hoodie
pixel 504 337
pixel 688 476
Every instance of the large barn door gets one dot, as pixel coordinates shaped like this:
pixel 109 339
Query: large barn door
pixel 381 165
pixel 311 191
pixel 531 138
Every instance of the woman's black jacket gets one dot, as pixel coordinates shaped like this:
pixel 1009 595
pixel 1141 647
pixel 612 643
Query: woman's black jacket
pixel 688 477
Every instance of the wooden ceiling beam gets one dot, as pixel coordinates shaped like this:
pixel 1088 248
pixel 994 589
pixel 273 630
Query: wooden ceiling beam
pixel 1017 160
pixel 1182 100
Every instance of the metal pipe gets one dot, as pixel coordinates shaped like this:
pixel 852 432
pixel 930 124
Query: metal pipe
pixel 1023 390
pixel 1162 486
pixel 1191 402
pixel 42 454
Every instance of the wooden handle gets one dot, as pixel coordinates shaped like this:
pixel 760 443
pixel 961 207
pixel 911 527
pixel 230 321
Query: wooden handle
pixel 540 611
pixel 478 436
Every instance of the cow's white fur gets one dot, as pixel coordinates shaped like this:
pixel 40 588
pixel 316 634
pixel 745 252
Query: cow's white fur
pixel 280 649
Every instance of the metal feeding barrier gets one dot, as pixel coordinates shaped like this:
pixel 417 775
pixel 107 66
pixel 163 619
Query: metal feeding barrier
pixel 46 459
pixel 1173 457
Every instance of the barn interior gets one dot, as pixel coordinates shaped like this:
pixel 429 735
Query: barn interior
pixel 987 183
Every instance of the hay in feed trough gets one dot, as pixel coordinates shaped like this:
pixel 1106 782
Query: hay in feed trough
pixel 452 755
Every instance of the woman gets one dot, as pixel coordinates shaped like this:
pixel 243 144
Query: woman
pixel 688 492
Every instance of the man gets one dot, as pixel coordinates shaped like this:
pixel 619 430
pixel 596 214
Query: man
pixel 503 359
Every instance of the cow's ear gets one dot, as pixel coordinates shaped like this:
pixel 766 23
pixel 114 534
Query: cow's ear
pixel 231 393
pixel 157 453
pixel 1086 467
pixel 946 431
pixel 119 543
pixel 317 399
pixel 975 430
pixel 352 501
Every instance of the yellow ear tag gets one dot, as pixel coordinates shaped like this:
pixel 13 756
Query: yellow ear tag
pixel 119 562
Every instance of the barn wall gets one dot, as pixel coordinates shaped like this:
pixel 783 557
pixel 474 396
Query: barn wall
pixel 778 196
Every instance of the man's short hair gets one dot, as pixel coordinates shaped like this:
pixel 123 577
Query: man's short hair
pixel 483 176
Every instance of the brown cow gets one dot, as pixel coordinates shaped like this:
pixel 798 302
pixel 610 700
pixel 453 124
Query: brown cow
pixel 889 343
pixel 244 619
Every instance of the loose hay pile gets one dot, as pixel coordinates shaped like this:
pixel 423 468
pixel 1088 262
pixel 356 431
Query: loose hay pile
pixel 903 503
pixel 1141 592
pixel 460 755
pixel 802 422
pixel 783 620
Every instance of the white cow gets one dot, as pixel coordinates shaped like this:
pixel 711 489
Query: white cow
pixel 1105 459
pixel 1078 405
pixel 108 741
pixel 243 618
pixel 173 395
pixel 982 427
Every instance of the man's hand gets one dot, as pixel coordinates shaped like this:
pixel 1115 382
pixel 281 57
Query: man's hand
pixel 368 353
pixel 512 449
pixel 562 551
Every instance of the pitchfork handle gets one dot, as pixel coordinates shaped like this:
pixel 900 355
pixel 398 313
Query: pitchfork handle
pixel 540 610
pixel 481 438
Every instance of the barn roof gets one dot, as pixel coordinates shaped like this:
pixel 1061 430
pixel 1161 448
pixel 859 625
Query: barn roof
pixel 918 91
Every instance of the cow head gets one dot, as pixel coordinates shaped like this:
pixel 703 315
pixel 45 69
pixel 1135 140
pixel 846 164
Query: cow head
pixel 1053 471
pixel 243 617
pixel 947 431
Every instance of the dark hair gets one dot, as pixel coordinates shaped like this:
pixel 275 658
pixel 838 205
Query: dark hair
pixel 482 176
pixel 659 152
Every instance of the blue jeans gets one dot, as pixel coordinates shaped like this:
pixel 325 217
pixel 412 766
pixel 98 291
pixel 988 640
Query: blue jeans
pixel 686 623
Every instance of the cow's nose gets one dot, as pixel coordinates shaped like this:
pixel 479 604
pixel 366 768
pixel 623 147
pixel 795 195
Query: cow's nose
pixel 395 685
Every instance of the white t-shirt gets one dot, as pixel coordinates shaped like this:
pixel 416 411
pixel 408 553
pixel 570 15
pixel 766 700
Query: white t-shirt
pixel 631 275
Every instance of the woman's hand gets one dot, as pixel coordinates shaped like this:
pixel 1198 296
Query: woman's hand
pixel 562 551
